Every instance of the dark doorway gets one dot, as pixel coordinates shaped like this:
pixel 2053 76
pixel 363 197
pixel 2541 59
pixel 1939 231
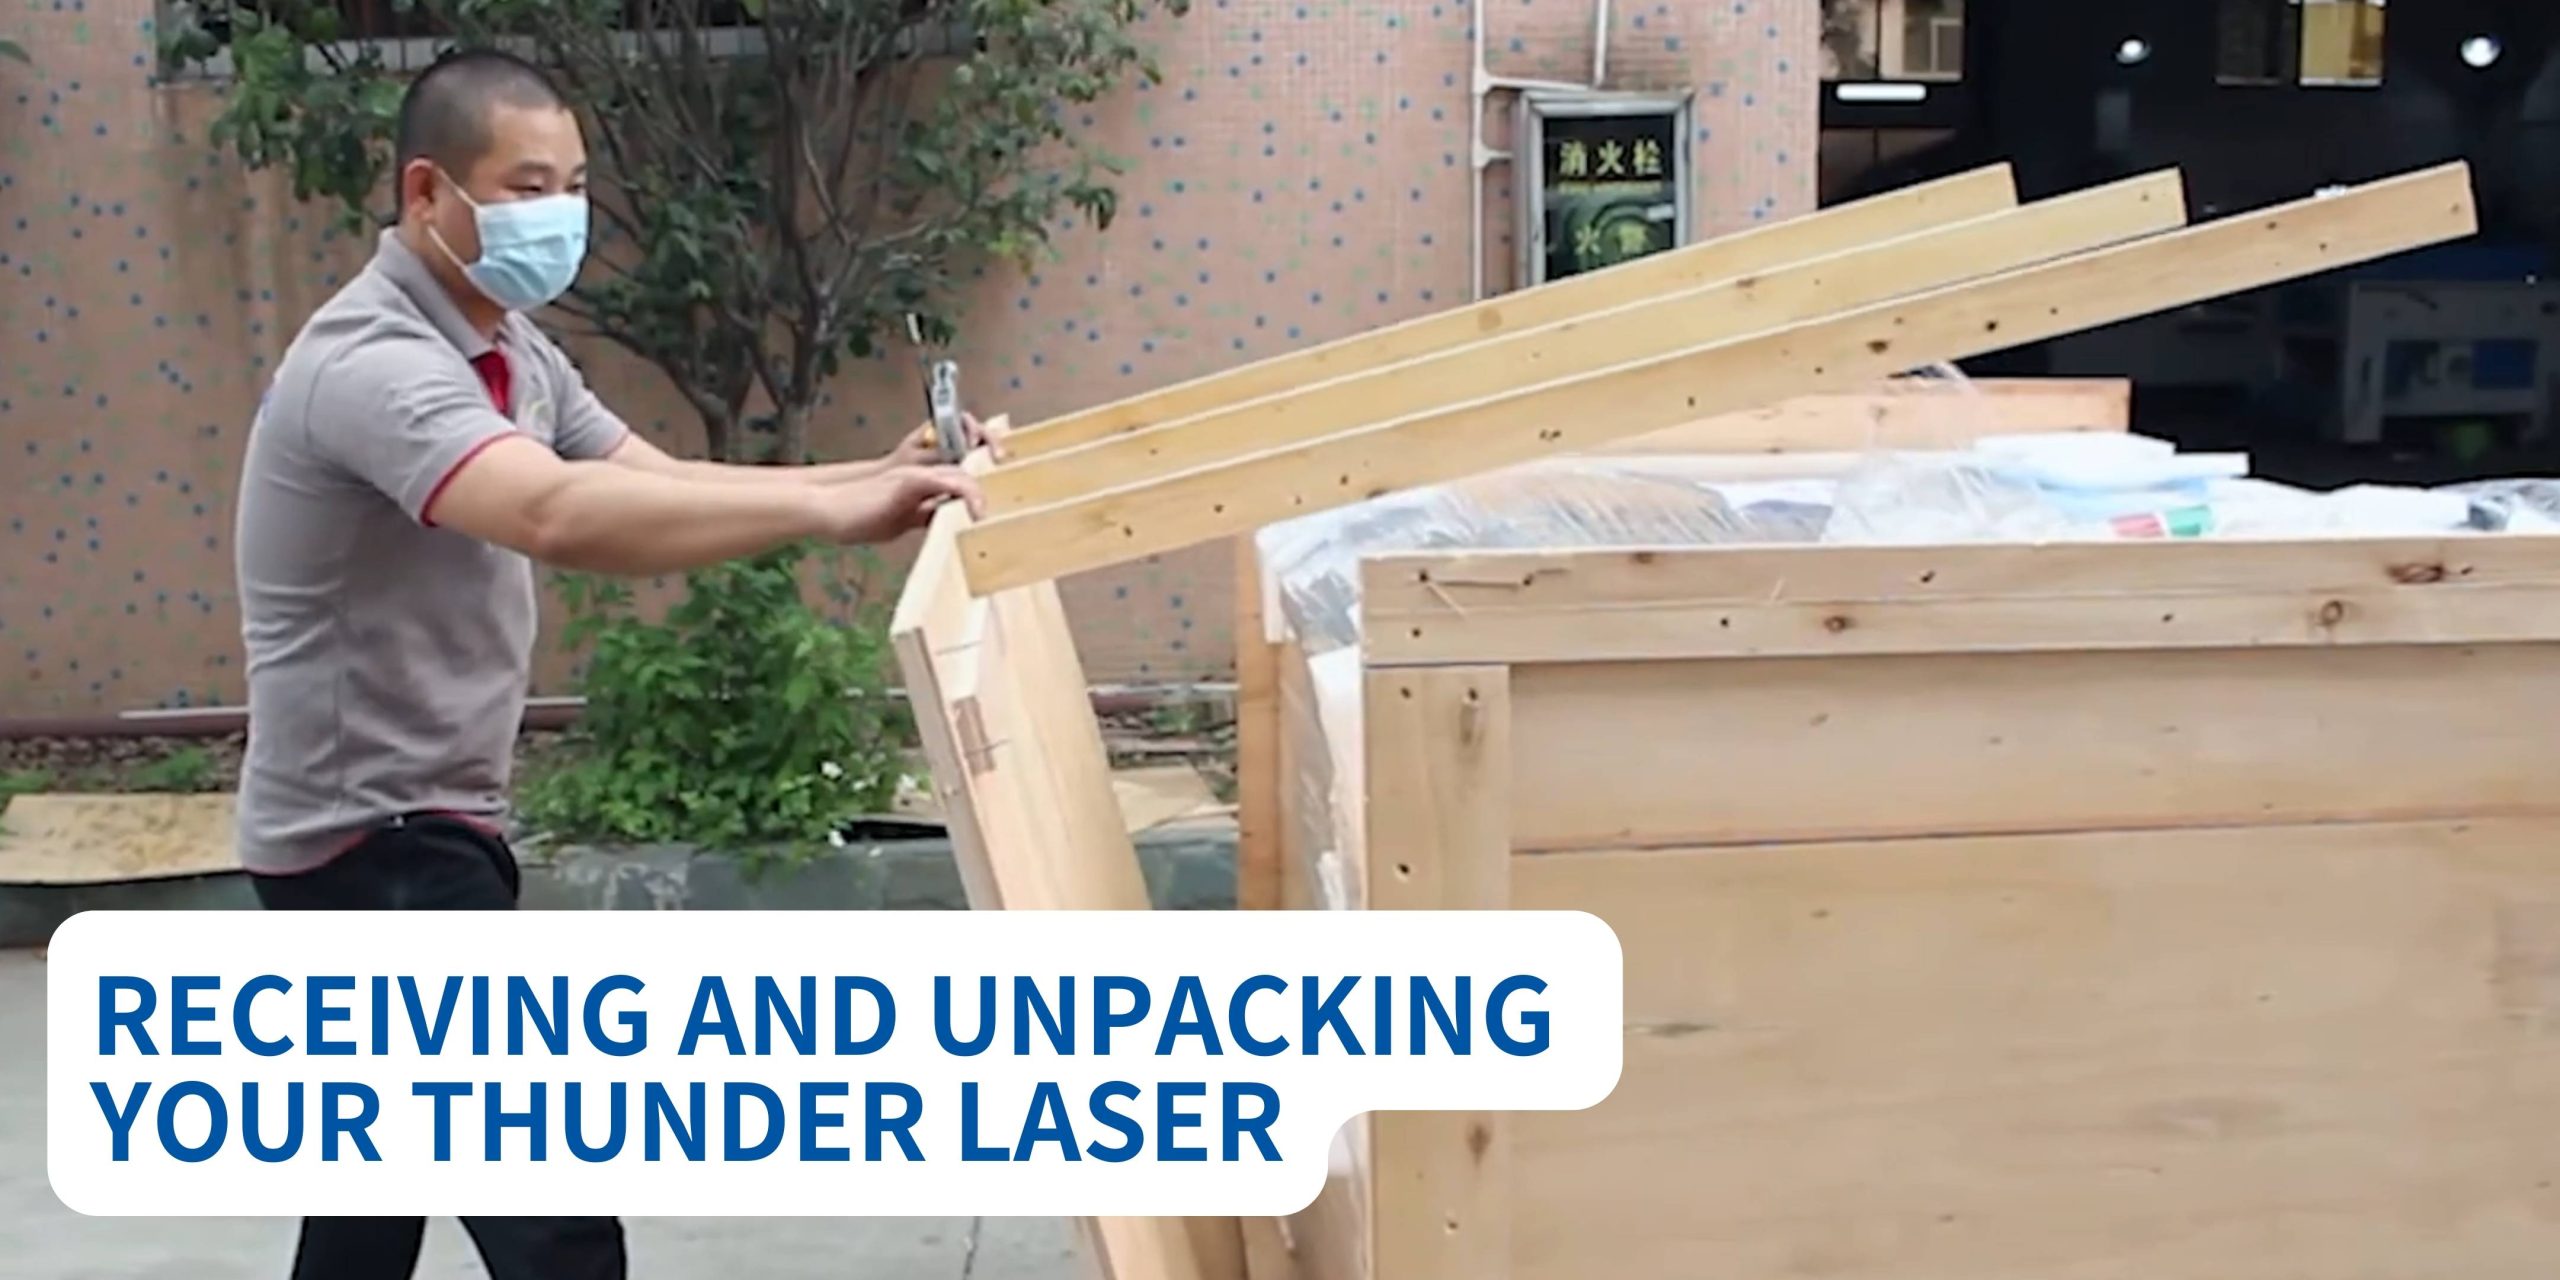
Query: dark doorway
pixel 2258 102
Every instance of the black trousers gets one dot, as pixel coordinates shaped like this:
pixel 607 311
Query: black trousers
pixel 433 864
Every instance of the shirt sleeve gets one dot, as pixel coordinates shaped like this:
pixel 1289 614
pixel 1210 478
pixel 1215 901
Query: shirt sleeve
pixel 403 421
pixel 586 429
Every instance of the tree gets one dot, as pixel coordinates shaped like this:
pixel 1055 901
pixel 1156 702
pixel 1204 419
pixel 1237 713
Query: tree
pixel 780 183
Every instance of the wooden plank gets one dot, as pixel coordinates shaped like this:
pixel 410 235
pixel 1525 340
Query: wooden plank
pixel 1257 742
pixel 930 632
pixel 1744 750
pixel 1008 729
pixel 1439 741
pixel 1266 1251
pixel 1701 602
pixel 1837 352
pixel 1763 298
pixel 1218 1245
pixel 2266 1053
pixel 1329 1239
pixel 1890 213
pixel 2266 619
pixel 1902 413
pixel 1606 581
pixel 1017 760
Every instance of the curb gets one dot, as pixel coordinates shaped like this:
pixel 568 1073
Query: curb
pixel 1187 869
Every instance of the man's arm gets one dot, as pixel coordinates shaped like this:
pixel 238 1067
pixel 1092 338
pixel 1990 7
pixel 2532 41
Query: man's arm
pixel 603 518
pixel 588 429
pixel 917 448
pixel 640 455
pixel 422 431
pixel 608 519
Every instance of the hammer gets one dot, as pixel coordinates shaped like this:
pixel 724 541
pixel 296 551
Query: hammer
pixel 942 398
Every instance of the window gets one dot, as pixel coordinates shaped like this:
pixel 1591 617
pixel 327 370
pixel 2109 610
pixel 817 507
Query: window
pixel 1893 40
pixel 1896 64
pixel 2342 42
pixel 2314 43
pixel 1932 40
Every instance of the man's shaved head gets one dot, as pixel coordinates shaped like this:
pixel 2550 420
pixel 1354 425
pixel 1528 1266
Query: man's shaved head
pixel 445 117
pixel 479 130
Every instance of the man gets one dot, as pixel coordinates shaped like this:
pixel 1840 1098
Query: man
pixel 421 446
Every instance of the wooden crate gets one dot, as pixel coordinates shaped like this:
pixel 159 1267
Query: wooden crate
pixel 1989 911
pixel 2175 910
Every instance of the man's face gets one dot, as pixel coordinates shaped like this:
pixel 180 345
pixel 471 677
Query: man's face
pixel 533 152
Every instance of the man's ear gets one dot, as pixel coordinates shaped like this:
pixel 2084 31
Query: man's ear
pixel 417 186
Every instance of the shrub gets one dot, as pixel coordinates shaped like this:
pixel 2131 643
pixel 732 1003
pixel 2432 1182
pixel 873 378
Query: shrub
pixel 744 720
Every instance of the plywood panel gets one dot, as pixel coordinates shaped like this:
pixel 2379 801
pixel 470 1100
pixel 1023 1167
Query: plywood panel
pixel 2314 1053
pixel 1742 750
pixel 68 839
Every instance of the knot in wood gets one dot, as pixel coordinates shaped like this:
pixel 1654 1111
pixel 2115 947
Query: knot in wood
pixel 2333 613
pixel 1470 722
pixel 1837 623
pixel 2416 575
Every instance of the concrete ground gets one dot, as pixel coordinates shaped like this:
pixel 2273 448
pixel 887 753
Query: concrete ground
pixel 42 1240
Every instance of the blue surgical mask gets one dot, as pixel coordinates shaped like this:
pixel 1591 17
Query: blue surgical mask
pixel 530 250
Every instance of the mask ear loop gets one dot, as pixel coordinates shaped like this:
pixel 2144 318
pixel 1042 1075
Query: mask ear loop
pixel 438 236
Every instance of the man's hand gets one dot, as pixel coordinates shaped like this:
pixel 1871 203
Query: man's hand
pixel 922 448
pixel 900 499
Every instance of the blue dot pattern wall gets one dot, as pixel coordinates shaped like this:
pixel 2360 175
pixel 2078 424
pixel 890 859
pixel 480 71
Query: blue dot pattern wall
pixel 1302 173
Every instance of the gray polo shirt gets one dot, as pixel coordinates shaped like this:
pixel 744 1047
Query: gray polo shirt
pixel 387 659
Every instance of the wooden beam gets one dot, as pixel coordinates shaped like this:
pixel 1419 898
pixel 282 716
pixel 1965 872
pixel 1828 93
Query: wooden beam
pixel 1024 783
pixel 1762 299
pixel 1258 776
pixel 1743 601
pixel 1901 413
pixel 1897 413
pixel 1891 213
pixel 1830 353
pixel 1952 743
pixel 1439 740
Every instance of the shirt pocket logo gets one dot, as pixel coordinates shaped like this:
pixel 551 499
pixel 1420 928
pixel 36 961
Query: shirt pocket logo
pixel 537 419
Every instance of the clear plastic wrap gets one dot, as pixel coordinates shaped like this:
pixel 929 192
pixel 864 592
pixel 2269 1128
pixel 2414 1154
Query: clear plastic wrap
pixel 1320 730
pixel 2068 488
pixel 1311 565
pixel 2511 506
